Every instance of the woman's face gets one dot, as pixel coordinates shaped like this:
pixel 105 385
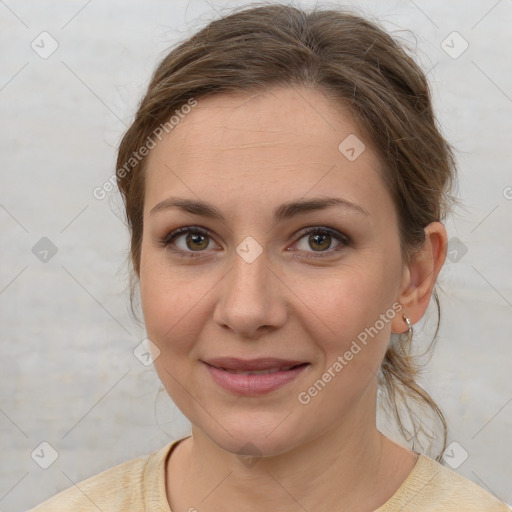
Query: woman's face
pixel 258 285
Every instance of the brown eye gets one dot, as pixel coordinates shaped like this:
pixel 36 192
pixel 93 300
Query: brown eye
pixel 187 241
pixel 320 240
pixel 195 241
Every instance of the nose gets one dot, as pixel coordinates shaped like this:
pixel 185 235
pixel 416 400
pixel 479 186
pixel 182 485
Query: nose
pixel 252 298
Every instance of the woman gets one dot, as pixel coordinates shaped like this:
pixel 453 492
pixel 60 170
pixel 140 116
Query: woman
pixel 285 182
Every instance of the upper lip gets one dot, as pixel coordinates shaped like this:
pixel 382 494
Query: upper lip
pixel 262 363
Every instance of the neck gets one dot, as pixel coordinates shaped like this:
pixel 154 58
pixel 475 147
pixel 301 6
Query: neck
pixel 346 467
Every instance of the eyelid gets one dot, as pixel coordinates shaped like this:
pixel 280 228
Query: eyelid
pixel 324 229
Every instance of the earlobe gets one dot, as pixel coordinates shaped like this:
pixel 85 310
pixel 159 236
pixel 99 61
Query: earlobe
pixel 420 276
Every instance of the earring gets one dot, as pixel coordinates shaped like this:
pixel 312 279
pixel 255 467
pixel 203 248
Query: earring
pixel 409 327
pixel 407 348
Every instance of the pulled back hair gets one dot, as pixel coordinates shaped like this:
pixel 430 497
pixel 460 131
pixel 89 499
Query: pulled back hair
pixel 356 63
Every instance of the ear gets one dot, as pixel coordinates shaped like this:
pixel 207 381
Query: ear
pixel 419 276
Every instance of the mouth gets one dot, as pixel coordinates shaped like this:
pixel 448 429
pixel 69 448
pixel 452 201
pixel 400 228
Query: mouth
pixel 258 372
pixel 254 377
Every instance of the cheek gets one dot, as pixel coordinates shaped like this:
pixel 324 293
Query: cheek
pixel 168 306
pixel 353 299
pixel 165 298
pixel 174 304
pixel 355 310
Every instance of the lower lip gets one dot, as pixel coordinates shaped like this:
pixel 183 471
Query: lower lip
pixel 250 385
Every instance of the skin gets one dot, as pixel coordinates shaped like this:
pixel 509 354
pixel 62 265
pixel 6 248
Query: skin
pixel 247 154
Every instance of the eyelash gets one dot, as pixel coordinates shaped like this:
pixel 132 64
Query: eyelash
pixel 168 239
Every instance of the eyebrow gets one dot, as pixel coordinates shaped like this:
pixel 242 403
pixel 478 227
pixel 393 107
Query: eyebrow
pixel 283 212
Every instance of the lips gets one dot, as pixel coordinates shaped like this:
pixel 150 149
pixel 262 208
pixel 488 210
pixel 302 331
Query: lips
pixel 263 365
pixel 256 376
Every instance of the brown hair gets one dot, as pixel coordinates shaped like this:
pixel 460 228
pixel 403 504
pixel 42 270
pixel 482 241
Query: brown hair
pixel 355 62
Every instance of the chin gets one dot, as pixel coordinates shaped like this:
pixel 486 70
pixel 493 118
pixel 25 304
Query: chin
pixel 260 440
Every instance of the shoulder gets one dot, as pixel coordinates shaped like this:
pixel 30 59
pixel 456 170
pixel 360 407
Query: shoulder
pixel 119 488
pixel 432 486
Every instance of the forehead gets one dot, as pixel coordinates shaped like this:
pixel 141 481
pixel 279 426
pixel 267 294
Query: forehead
pixel 283 142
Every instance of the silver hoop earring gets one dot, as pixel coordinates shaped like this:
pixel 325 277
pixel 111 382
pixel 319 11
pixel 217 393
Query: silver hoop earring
pixel 410 331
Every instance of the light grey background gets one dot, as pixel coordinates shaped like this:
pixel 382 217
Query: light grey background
pixel 68 373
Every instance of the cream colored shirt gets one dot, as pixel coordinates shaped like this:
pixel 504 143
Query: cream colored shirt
pixel 138 485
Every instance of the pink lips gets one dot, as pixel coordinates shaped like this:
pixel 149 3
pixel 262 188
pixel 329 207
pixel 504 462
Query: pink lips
pixel 223 371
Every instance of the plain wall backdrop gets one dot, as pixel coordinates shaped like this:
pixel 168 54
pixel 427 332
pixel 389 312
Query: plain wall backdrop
pixel 71 76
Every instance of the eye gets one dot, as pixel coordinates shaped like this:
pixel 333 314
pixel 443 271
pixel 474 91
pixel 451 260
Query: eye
pixel 188 240
pixel 320 239
pixel 194 239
